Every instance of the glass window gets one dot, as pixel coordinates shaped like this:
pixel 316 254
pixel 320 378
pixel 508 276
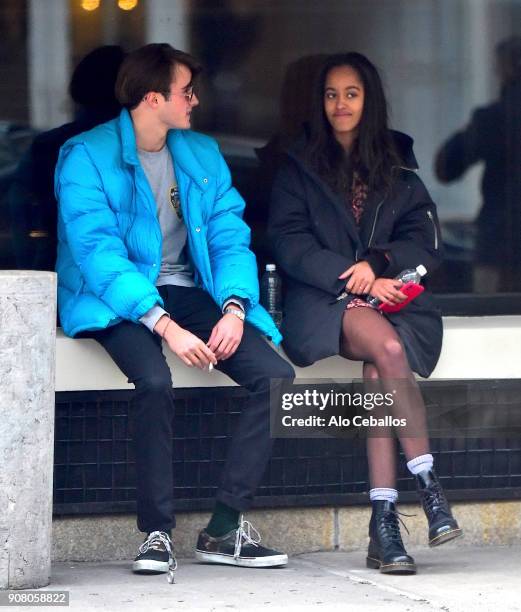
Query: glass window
pixel 452 70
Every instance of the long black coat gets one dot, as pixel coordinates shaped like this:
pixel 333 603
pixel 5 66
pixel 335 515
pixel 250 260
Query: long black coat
pixel 314 239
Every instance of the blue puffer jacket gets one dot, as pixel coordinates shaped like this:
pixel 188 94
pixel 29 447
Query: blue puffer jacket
pixel 109 250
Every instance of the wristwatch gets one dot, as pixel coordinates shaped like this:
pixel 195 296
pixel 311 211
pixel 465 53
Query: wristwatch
pixel 235 311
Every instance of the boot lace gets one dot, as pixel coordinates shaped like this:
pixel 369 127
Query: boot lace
pixel 246 534
pixel 390 521
pixel 433 499
pixel 160 540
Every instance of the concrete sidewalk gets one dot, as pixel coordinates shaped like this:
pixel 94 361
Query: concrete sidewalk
pixel 452 579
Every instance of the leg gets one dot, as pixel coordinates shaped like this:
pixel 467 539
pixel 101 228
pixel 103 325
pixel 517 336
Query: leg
pixel 386 550
pixel 252 366
pixel 138 354
pixel 381 450
pixel 368 336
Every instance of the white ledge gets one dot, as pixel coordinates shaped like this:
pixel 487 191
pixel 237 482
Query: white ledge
pixel 473 347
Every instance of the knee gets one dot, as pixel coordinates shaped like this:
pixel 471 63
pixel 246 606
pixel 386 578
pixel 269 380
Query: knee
pixel 157 384
pixel 278 369
pixel 281 369
pixel 391 353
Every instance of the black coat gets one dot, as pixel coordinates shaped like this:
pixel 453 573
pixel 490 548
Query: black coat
pixel 314 238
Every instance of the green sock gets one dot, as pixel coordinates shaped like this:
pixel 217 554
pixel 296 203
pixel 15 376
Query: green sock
pixel 224 519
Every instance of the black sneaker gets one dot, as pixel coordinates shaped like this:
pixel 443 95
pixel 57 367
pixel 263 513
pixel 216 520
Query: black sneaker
pixel 156 555
pixel 238 547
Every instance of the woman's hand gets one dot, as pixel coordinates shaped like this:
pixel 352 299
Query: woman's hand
pixel 362 278
pixel 387 290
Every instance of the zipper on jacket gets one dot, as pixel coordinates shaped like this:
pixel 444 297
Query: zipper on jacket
pixel 429 214
pixel 374 222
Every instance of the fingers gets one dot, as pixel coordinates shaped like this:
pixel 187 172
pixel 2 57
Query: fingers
pixel 347 273
pixel 212 339
pixel 389 293
pixel 397 295
pixel 359 284
pixel 198 355
pixel 217 341
pixel 227 347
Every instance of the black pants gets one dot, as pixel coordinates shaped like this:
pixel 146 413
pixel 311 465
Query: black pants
pixel 138 354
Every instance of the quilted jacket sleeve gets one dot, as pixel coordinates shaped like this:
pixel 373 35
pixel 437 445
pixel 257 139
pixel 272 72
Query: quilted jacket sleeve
pixel 234 267
pixel 93 235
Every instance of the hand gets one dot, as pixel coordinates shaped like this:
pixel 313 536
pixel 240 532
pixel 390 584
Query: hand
pixel 226 336
pixel 188 347
pixel 362 278
pixel 387 290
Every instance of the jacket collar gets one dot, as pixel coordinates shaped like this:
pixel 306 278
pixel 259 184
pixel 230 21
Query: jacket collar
pixel 128 138
pixel 177 143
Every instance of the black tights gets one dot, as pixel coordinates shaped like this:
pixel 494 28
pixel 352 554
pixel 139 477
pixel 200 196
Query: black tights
pixel 369 337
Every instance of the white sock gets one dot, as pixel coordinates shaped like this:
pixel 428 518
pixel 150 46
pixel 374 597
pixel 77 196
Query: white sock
pixel 383 494
pixel 420 464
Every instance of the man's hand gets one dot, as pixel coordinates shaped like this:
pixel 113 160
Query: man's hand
pixel 226 336
pixel 188 347
pixel 362 278
pixel 387 290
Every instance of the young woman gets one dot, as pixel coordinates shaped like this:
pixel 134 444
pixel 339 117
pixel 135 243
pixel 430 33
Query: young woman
pixel 347 215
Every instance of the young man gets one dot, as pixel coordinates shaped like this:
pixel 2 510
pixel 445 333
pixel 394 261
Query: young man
pixel 152 247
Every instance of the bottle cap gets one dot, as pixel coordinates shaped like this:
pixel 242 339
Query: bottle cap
pixel 271 267
pixel 422 270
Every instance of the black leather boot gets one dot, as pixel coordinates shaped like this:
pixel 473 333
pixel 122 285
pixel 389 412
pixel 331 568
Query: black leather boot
pixel 442 525
pixel 386 551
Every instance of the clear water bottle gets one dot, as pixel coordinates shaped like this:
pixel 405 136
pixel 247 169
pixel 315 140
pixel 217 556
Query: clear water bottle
pixel 271 293
pixel 413 275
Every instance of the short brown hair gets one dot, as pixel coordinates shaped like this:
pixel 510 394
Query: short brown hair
pixel 150 68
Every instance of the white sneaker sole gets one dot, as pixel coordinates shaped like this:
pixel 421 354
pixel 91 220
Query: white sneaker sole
pixel 149 566
pixel 273 561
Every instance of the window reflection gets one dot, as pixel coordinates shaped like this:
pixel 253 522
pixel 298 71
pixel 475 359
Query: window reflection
pixel 493 136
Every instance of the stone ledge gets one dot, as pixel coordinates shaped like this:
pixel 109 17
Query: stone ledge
pixel 295 530
pixel 82 364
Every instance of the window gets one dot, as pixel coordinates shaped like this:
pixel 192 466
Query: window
pixel 452 70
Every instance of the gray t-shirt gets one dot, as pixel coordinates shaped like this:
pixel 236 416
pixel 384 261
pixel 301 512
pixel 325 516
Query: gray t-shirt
pixel 175 265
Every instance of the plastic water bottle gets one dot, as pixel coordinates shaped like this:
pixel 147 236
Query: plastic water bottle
pixel 412 275
pixel 271 293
